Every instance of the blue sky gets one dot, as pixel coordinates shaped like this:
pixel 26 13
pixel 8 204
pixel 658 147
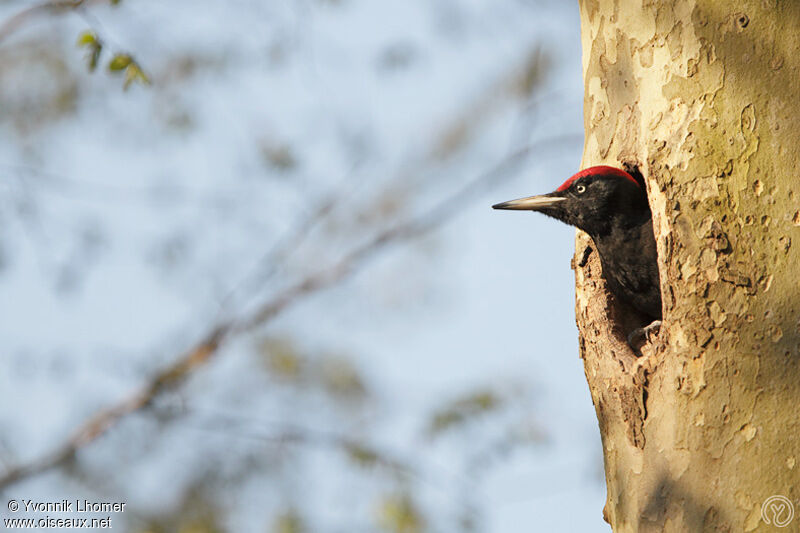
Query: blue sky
pixel 129 219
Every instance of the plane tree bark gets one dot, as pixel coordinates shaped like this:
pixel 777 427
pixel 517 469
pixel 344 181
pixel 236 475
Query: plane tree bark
pixel 701 97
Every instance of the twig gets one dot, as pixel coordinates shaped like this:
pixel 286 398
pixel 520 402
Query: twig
pixel 53 7
pixel 202 352
pixel 279 433
pixel 267 265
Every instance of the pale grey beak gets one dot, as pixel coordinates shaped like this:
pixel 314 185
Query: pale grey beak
pixel 531 203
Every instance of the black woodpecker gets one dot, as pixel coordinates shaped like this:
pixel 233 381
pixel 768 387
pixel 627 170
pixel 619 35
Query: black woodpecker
pixel 611 206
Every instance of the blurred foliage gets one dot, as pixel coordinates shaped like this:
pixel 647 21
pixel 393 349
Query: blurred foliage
pixel 198 512
pixel 397 57
pixel 520 84
pixel 282 359
pixel 183 66
pixel 389 205
pixel 38 86
pixel 363 456
pixel 532 74
pixel 278 156
pixel 367 457
pixel 341 378
pixel 288 522
pixel 463 410
pixel 398 513
pixel 334 374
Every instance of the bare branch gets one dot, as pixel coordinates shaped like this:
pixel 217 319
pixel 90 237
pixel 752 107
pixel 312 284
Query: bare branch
pixel 360 451
pixel 53 7
pixel 266 267
pixel 208 346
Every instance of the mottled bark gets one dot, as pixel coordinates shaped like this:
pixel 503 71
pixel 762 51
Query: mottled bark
pixel 703 97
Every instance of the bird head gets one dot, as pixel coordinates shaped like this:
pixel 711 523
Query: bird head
pixel 595 200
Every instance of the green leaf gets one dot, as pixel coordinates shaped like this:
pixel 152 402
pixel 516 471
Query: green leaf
pixel 94 57
pixel 87 38
pixel 141 77
pixel 135 74
pixel 119 62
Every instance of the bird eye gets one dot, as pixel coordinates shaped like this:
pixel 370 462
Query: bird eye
pixel 580 189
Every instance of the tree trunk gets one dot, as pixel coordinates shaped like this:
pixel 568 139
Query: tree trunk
pixel 702 97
